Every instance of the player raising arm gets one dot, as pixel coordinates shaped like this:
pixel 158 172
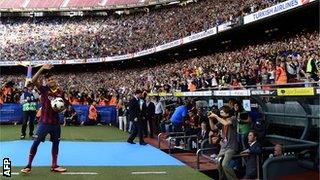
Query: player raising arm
pixel 49 119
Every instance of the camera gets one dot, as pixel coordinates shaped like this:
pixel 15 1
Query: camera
pixel 214 111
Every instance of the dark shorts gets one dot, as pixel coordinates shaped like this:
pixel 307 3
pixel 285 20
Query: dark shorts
pixel 44 129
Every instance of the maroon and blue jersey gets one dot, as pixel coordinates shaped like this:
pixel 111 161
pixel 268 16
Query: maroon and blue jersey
pixel 48 115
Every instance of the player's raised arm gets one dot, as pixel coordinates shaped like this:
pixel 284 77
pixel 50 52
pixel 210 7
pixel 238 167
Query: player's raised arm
pixel 37 75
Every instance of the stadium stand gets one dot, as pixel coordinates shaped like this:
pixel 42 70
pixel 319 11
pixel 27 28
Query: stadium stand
pixel 11 4
pixel 259 66
pixel 118 2
pixel 78 38
pixel 26 4
pixel 44 4
pixel 83 3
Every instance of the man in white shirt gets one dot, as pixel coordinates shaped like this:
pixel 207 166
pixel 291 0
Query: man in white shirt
pixel 159 113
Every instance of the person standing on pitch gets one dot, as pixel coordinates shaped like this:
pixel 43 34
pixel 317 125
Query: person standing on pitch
pixel 135 108
pixel 149 114
pixel 49 120
pixel 29 107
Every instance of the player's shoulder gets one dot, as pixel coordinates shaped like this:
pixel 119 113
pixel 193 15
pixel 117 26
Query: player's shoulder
pixel 43 88
pixel 60 90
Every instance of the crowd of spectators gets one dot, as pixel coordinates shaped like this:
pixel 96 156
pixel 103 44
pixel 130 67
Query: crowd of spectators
pixel 61 38
pixel 294 59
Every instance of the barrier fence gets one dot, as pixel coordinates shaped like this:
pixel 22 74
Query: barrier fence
pixel 282 90
pixel 12 113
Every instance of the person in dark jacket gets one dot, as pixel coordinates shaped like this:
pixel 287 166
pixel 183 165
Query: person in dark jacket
pixel 204 132
pixel 135 108
pixel 149 117
pixel 251 154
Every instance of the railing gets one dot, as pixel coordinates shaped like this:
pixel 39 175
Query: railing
pixel 296 145
pixel 291 115
pixel 199 152
pixel 233 157
pixel 171 138
pixel 182 137
pixel 167 135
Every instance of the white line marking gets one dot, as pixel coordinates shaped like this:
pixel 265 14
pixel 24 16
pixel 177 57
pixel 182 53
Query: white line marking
pixel 160 172
pixel 70 173
pixel 12 173
pixel 83 173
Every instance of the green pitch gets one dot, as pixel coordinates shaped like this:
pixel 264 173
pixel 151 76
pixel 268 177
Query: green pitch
pixel 115 173
pixel 98 133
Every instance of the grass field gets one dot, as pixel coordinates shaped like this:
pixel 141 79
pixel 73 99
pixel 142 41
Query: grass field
pixel 105 134
pixel 116 173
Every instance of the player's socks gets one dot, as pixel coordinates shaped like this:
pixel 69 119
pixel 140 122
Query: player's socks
pixel 54 153
pixel 33 152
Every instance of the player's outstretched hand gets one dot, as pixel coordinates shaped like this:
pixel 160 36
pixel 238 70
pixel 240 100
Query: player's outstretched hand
pixel 47 66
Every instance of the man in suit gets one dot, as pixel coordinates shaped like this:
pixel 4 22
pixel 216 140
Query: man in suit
pixel 204 133
pixel 135 108
pixel 251 154
pixel 149 117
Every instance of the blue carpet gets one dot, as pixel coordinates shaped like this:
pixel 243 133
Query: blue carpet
pixel 88 154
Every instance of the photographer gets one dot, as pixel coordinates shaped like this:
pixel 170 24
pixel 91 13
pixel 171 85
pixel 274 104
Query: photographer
pixel 229 144
pixel 7 91
pixel 70 117
pixel 214 134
